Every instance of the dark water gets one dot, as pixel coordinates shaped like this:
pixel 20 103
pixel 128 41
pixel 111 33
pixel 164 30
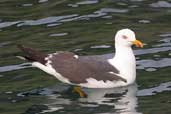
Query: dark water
pixel 86 27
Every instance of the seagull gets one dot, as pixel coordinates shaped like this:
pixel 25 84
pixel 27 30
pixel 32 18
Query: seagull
pixel 90 71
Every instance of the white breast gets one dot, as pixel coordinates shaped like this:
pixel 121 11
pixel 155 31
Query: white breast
pixel 124 61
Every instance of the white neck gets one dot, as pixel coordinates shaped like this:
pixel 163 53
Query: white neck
pixel 124 61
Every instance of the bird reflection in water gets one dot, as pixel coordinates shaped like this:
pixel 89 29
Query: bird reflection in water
pixel 121 100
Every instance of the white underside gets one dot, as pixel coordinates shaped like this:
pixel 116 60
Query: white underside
pixel 93 83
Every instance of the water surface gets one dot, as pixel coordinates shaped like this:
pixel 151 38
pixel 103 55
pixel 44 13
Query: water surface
pixel 86 27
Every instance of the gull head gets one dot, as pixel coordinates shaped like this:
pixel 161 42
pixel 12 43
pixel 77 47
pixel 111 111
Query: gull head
pixel 126 38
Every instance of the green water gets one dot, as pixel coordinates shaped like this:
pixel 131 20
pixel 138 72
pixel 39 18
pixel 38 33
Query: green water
pixel 85 27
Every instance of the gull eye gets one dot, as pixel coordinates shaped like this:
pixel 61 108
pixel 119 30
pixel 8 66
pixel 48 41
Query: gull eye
pixel 124 37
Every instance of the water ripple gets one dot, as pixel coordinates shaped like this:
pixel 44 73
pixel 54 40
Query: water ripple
pixel 161 4
pixel 42 1
pixel 59 34
pixel 154 90
pixel 166 35
pixel 151 50
pixel 8 24
pixel 27 5
pixel 112 10
pixel 100 46
pixel 57 20
pixel 85 2
pixel 47 20
pixel 4 44
pixel 14 67
pixel 164 62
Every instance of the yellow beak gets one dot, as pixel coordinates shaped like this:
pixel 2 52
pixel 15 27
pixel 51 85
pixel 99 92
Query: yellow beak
pixel 137 43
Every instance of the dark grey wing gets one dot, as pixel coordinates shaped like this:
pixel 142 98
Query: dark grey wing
pixel 107 76
pixel 69 67
pixel 99 63
pixel 77 70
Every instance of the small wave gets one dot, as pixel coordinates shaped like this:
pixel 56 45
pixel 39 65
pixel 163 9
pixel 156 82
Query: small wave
pixel 154 90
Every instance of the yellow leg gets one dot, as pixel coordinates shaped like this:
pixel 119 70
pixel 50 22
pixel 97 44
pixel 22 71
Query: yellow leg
pixel 79 91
